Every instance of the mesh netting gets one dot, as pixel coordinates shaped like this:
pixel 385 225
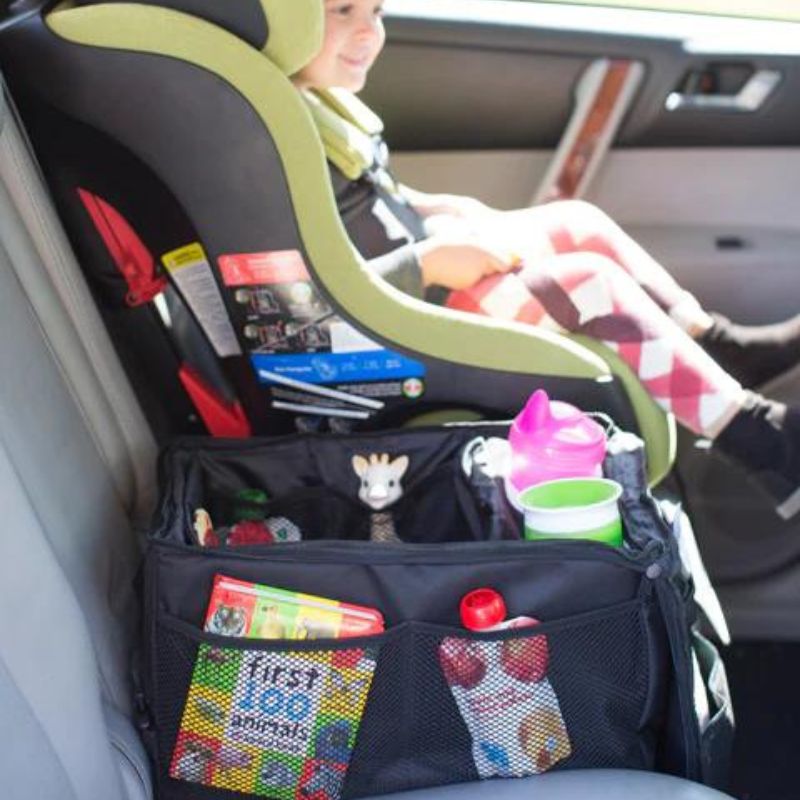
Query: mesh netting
pixel 442 708
pixel 268 723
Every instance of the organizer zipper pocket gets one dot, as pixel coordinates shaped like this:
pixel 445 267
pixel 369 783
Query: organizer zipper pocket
pixel 266 718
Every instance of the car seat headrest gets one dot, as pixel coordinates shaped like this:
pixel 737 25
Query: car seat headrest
pixel 288 32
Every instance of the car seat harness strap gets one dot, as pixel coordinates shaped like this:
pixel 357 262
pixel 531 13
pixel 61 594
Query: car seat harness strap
pixel 131 257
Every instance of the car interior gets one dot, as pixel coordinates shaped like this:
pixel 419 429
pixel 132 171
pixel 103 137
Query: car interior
pixel 154 112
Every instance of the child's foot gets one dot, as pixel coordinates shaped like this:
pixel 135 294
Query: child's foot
pixel 753 353
pixel 764 438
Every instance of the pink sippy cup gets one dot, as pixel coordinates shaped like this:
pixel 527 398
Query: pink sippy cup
pixel 551 440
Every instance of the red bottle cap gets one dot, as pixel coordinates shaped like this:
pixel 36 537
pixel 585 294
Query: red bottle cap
pixel 482 609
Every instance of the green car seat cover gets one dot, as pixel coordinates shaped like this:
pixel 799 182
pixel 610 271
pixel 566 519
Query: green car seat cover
pixel 352 109
pixel 348 128
pixel 296 29
pixel 289 32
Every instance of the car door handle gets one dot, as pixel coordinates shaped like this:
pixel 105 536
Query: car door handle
pixel 750 97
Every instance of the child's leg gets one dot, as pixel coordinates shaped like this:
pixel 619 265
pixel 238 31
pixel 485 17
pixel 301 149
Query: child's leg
pixel 572 226
pixel 589 294
pixel 752 354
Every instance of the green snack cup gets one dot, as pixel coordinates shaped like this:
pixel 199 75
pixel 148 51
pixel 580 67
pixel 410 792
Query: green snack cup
pixel 573 508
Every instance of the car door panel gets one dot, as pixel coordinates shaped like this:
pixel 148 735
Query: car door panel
pixel 449 66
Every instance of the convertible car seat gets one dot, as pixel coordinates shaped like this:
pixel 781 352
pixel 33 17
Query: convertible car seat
pixel 183 161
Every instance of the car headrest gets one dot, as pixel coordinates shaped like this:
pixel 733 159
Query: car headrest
pixel 288 32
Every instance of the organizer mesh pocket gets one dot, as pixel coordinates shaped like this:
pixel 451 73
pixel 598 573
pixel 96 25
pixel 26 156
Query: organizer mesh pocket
pixel 445 706
pixel 277 723
pixel 449 707
pixel 532 702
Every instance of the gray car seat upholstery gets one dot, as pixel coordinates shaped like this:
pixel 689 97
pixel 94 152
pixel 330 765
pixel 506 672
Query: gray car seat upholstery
pixel 56 288
pixel 68 555
pixel 56 453
pixel 70 482
pixel 588 784
pixel 56 742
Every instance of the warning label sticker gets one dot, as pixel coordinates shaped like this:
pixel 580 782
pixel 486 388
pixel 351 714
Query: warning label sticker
pixel 251 269
pixel 192 274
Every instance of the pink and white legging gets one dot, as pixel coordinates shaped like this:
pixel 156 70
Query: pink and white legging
pixel 583 274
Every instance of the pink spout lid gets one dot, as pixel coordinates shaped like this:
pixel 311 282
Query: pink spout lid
pixel 552 429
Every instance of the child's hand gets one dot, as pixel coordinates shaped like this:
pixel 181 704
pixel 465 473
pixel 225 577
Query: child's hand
pixel 458 264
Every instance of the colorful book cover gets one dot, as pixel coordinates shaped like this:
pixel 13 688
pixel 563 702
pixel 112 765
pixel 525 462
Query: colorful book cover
pixel 254 611
pixel 279 724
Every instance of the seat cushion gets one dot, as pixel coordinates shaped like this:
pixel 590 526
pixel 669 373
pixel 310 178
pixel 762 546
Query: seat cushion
pixel 590 784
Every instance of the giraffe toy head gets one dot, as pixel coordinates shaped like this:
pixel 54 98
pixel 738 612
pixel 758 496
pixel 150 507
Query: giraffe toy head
pixel 380 479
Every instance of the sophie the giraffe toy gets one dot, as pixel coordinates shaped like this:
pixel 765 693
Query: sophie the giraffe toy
pixel 380 488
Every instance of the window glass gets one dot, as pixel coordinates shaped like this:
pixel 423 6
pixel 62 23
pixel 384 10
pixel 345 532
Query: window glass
pixel 765 9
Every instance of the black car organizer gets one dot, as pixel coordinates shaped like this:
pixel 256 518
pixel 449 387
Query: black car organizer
pixel 606 679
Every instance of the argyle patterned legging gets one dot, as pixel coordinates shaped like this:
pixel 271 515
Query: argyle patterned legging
pixel 583 274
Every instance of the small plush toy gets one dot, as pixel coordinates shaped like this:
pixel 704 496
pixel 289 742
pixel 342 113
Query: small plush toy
pixel 380 488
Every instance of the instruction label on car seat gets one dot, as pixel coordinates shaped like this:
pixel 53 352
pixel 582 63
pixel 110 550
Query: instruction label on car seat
pixel 297 342
pixel 192 274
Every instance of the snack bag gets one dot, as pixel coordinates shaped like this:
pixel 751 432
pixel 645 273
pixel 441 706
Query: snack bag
pixel 502 692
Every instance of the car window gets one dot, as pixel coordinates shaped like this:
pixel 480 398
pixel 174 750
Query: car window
pixel 764 9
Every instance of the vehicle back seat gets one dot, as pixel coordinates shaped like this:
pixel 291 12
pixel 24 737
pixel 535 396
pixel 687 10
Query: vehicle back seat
pixel 54 284
pixel 76 470
pixel 68 554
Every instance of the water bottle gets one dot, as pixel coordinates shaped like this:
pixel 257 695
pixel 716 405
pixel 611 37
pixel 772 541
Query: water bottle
pixel 551 440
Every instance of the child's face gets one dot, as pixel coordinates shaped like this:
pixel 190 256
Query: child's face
pixel 354 37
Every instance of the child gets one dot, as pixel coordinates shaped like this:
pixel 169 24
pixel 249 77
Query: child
pixel 565 266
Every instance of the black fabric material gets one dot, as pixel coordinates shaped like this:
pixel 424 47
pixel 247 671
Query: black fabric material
pixel 616 620
pixel 764 682
pixel 208 124
pixel 299 472
pixel 243 18
pixel 753 354
pixel 412 735
pixel 384 236
pixel 72 156
pixel 356 201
